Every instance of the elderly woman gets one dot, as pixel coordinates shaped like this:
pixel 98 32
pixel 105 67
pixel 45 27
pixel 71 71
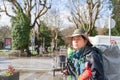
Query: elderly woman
pixel 87 59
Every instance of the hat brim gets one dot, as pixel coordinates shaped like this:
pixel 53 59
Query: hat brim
pixel 69 38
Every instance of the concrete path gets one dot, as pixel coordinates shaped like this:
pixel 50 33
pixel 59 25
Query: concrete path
pixel 32 68
pixel 27 63
pixel 40 76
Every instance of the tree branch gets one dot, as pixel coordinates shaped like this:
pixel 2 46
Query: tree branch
pixel 25 6
pixel 33 5
pixel 17 5
pixel 5 10
pixel 43 10
pixel 80 19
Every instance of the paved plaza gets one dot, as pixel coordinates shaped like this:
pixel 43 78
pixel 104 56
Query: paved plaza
pixel 32 68
pixel 27 63
pixel 41 76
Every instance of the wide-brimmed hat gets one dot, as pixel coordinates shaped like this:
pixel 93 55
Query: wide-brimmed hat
pixel 78 32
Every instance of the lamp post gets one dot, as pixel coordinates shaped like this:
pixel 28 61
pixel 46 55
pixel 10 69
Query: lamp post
pixel 33 40
pixel 111 24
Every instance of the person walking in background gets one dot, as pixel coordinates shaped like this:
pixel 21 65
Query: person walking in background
pixel 70 52
pixel 87 60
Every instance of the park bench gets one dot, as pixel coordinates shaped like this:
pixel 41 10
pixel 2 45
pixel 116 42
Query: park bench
pixel 59 63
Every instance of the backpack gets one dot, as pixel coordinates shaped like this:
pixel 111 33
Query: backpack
pixel 111 59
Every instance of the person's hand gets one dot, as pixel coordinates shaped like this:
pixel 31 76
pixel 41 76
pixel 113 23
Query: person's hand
pixel 65 72
pixel 113 42
pixel 87 73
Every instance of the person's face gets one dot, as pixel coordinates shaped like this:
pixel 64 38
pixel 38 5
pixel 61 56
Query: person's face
pixel 78 42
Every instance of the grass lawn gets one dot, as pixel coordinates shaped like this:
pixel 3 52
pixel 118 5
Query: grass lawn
pixel 3 51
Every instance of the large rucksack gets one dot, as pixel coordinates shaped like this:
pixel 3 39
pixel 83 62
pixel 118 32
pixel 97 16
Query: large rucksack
pixel 111 59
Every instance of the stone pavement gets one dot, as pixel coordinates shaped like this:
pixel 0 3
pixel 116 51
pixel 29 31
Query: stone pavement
pixel 27 63
pixel 40 76
pixel 32 68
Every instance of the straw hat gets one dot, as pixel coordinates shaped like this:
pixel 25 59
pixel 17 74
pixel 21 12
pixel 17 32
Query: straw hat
pixel 78 32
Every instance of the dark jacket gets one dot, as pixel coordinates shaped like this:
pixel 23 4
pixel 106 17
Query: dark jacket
pixel 93 56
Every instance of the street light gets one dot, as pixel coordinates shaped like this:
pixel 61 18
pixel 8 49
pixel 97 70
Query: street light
pixel 111 24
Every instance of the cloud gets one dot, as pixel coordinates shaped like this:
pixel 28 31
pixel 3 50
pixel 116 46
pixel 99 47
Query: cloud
pixel 64 17
pixel 4 19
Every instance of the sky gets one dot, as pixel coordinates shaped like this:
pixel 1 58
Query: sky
pixel 59 5
pixel 4 19
pixel 63 8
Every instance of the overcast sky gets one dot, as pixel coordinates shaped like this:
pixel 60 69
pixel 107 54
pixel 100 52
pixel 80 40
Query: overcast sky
pixel 59 5
pixel 4 19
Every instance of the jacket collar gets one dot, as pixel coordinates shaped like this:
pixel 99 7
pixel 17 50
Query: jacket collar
pixel 82 52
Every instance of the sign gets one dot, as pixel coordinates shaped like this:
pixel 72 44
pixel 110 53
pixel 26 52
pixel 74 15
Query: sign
pixel 100 23
pixel 111 23
pixel 8 43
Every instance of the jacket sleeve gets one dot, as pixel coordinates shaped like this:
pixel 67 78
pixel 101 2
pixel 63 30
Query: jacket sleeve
pixel 97 67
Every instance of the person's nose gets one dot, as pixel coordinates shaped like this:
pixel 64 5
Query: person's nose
pixel 75 41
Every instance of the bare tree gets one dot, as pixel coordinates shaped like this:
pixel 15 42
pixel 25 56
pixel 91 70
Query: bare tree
pixel 30 8
pixel 33 9
pixel 85 15
pixel 53 20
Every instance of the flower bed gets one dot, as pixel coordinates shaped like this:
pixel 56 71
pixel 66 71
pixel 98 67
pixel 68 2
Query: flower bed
pixel 10 74
pixel 14 76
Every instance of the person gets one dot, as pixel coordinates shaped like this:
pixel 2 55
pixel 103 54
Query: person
pixel 87 60
pixel 70 51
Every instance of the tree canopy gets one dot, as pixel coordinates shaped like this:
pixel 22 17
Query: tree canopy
pixel 85 12
pixel 33 9
pixel 116 12
pixel 20 31
pixel 25 15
